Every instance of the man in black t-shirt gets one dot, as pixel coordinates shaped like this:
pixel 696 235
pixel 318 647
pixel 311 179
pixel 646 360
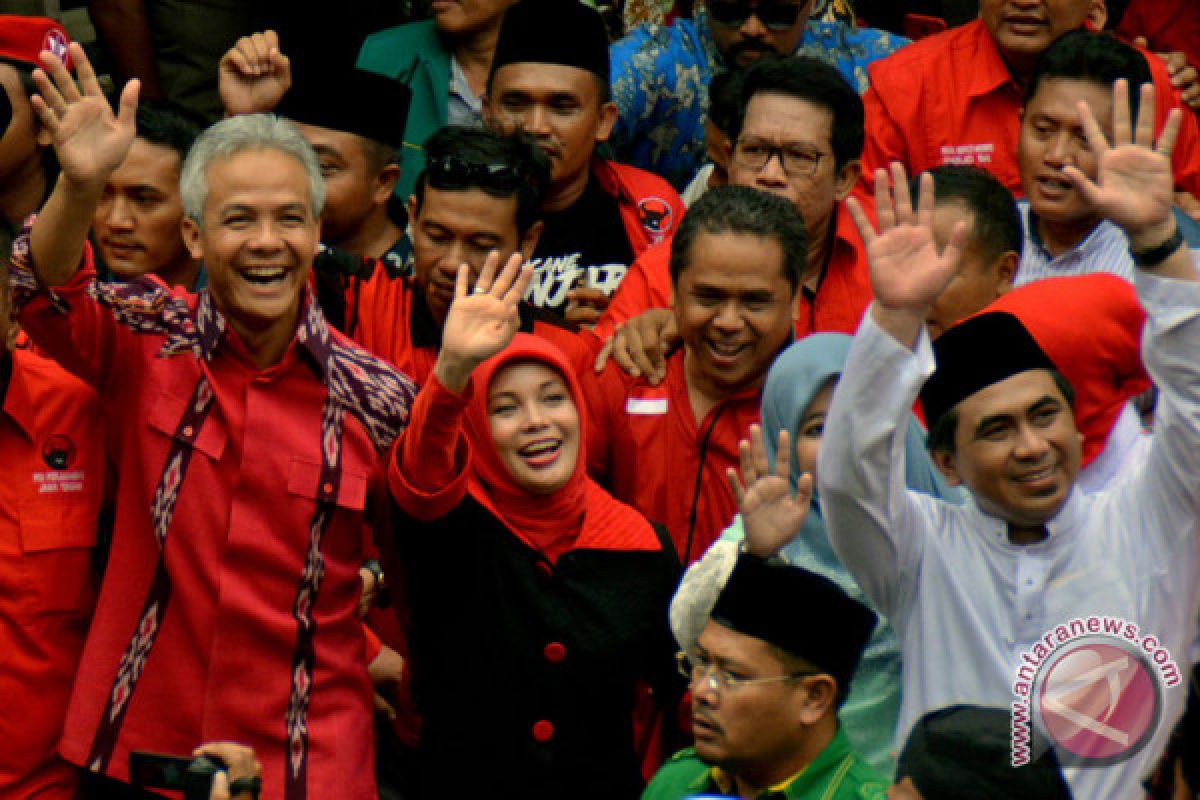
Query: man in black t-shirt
pixel 550 80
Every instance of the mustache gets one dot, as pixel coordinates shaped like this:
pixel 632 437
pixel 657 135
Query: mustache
pixel 748 46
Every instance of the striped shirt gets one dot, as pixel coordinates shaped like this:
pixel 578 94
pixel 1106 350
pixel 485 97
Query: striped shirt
pixel 1105 249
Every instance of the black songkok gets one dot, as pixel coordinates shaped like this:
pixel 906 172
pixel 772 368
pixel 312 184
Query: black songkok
pixel 352 101
pixel 562 32
pixel 976 353
pixel 798 611
pixel 965 753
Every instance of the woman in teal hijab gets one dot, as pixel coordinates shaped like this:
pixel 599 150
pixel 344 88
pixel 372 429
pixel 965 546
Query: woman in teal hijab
pixel 795 399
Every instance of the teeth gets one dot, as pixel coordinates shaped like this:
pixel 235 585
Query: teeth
pixel 539 449
pixel 263 274
pixel 725 350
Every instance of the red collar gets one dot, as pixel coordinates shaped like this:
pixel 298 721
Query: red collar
pixel 988 70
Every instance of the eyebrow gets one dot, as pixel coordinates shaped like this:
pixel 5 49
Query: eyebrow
pixel 1037 405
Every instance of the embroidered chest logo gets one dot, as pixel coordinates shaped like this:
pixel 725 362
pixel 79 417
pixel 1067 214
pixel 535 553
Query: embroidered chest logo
pixel 59 454
pixel 968 154
pixel 655 215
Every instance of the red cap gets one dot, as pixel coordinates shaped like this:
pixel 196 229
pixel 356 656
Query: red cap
pixel 22 38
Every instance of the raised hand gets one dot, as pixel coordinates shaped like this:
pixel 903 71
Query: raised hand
pixel 89 140
pixel 254 74
pixel 1134 186
pixel 771 513
pixel 907 271
pixel 481 322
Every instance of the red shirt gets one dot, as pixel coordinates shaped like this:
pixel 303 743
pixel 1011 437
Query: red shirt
pixel 51 493
pixel 841 298
pixel 1169 25
pixel 395 323
pixel 950 99
pixel 242 507
pixel 645 447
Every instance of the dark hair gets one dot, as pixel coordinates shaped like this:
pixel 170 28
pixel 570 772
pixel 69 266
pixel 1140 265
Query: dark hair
pixel 816 82
pixel 725 99
pixel 1096 57
pixel 997 228
pixel 473 146
pixel 740 209
pixel 941 432
pixel 166 124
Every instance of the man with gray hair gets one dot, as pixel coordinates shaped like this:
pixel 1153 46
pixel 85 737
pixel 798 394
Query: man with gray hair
pixel 246 436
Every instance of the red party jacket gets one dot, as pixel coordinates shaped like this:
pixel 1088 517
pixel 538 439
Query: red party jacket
pixel 243 499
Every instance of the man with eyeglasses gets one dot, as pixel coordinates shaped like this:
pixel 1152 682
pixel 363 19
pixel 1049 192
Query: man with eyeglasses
pixel 550 81
pixel 799 136
pixel 660 75
pixel 766 684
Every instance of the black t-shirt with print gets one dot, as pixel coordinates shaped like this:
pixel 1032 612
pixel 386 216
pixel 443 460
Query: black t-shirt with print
pixel 585 245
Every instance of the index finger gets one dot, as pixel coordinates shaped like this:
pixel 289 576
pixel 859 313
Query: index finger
pixel 84 71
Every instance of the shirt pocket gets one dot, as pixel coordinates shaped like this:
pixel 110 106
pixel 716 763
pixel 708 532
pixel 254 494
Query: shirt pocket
pixel 57 540
pixel 167 413
pixel 304 480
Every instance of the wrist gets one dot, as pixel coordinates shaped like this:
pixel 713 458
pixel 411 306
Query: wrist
pixel 83 191
pixel 1150 236
pixel 1156 250
pixel 453 373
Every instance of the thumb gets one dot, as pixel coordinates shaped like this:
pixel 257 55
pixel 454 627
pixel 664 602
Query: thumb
pixel 1142 42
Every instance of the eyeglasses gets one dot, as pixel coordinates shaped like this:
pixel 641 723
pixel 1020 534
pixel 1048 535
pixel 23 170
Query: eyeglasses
pixel 454 173
pixel 796 162
pixel 718 680
pixel 734 13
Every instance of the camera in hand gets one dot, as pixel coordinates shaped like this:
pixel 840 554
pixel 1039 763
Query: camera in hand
pixel 194 776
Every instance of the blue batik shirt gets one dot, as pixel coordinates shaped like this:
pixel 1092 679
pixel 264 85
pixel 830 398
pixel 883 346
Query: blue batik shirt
pixel 660 78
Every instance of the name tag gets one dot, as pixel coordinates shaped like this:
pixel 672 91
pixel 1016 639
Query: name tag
pixel 646 405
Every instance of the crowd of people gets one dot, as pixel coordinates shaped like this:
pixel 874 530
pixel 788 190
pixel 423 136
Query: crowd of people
pixel 746 402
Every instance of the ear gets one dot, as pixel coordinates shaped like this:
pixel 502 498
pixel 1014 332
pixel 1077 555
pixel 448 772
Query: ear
pixel 607 121
pixel 529 239
pixel 385 183
pixel 192 238
pixel 947 465
pixel 816 699
pixel 1006 271
pixel 410 205
pixel 847 178
pixel 1098 14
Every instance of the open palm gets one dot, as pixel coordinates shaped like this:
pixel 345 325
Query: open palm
pixel 771 512
pixel 1134 186
pixel 89 140
pixel 907 270
pixel 482 322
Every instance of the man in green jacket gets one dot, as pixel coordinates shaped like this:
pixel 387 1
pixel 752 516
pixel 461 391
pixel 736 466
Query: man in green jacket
pixel 445 62
pixel 767 676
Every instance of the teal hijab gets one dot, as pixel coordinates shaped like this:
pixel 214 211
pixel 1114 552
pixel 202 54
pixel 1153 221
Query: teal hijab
pixel 873 704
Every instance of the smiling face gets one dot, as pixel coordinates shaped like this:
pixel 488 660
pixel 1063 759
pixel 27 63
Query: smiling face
pixel 734 308
pixel 258 239
pixel 743 44
pixel 1022 29
pixel 1052 138
pixel 1016 448
pixel 136 224
pixel 557 105
pixel 535 426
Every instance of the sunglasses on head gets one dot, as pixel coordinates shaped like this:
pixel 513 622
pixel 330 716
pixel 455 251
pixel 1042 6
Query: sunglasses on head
pixel 734 13
pixel 454 173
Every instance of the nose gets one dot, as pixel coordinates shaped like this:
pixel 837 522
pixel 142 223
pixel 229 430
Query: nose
pixel 1030 445
pixel 119 215
pixel 728 318
pixel 753 27
pixel 772 173
pixel 453 258
pixel 535 416
pixel 537 121
pixel 1061 151
pixel 265 237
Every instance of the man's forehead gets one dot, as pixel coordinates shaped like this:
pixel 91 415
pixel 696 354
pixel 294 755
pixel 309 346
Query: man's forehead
pixel 790 118
pixel 1010 396
pixel 534 78
pixel 469 210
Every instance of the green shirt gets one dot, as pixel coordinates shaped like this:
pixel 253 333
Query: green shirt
pixel 837 774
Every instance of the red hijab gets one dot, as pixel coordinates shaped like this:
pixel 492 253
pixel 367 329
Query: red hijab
pixel 578 514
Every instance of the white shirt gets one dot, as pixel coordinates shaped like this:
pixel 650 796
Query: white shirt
pixel 963 600
pixel 1105 249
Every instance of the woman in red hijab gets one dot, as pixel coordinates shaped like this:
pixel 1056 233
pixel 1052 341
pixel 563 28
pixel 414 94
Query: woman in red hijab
pixel 538 602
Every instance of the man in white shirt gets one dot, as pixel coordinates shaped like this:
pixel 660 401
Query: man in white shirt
pixel 973 590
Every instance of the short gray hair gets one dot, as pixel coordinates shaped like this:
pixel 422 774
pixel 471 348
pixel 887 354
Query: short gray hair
pixel 239 134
